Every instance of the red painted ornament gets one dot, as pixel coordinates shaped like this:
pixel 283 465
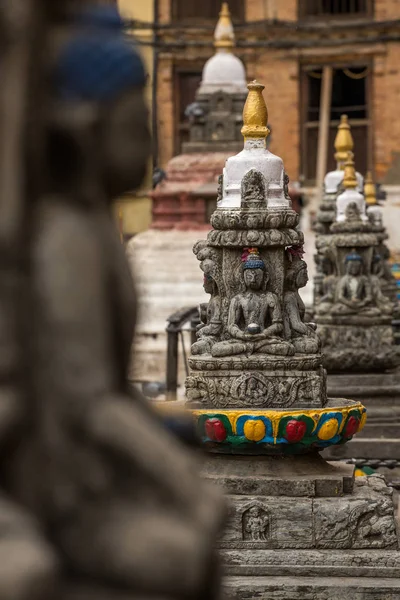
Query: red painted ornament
pixel 215 430
pixel 351 427
pixel 295 431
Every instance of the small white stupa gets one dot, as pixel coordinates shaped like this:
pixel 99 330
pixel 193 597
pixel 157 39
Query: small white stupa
pixel 350 194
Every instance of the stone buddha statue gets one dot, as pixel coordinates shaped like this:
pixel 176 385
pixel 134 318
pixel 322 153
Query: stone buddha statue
pixel 255 321
pixel 377 282
pixel 354 292
pixel 210 316
pixel 302 335
pixel 328 286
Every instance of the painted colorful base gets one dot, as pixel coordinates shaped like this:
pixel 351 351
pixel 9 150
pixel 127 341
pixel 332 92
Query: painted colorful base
pixel 279 432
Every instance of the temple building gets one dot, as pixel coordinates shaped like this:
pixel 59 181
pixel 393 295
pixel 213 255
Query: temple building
pixel 318 60
pixel 183 202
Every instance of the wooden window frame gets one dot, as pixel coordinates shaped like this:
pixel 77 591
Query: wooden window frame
pixel 305 124
pixel 302 13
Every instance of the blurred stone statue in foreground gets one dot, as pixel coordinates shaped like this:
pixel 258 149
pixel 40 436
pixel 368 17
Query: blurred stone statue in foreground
pixel 102 502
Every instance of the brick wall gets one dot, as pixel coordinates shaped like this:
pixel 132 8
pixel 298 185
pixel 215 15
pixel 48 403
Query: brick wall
pixel 285 10
pixel 386 96
pixel 278 70
pixel 386 9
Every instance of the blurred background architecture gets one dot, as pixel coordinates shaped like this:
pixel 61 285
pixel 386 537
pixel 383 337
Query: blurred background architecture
pixel 318 60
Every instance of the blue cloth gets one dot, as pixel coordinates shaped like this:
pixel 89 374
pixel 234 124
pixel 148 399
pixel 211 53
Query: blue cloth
pixel 99 62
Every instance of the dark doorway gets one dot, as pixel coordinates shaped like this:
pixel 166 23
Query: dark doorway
pixel 187 83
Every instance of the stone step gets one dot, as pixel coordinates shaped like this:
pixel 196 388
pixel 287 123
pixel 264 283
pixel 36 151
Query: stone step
pixel 368 447
pixel 311 588
pixel 311 563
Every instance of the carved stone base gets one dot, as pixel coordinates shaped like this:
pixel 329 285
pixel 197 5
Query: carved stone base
pixel 364 347
pixel 380 437
pixel 300 527
pixel 258 381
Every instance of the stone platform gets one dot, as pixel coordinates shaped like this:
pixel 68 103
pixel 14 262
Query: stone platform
pixel 312 588
pixel 380 392
pixel 303 528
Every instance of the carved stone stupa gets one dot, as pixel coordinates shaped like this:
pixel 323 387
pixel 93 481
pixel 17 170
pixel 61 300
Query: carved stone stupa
pixel 354 314
pixel 332 187
pixel 257 387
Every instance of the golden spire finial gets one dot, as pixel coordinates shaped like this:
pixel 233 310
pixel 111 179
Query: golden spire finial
pixel 344 140
pixel 224 36
pixel 369 190
pixel 349 178
pixel 255 113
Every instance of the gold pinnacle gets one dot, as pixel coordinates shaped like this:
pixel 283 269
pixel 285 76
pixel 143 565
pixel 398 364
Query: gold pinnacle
pixel 224 36
pixel 344 140
pixel 369 190
pixel 255 113
pixel 349 178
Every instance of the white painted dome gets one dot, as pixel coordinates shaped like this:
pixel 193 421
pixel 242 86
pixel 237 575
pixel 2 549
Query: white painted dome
pixel 350 196
pixel 223 71
pixel 333 179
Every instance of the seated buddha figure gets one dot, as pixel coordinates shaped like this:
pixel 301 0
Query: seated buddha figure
pixel 328 286
pixel 354 292
pixel 211 324
pixel 378 281
pixel 302 335
pixel 255 322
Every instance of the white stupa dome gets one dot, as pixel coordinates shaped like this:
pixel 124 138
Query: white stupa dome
pixel 224 71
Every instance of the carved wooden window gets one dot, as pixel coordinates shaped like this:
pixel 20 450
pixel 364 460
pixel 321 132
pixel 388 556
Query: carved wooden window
pixel 335 8
pixel 195 10
pixel 351 96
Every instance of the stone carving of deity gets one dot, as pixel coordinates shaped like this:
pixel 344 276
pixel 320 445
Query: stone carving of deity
pixel 378 279
pixel 210 315
pixel 302 335
pixel 328 286
pixel 354 291
pixel 253 190
pixel 256 523
pixel 255 323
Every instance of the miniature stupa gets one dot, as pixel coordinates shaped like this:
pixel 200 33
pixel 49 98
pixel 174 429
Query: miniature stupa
pixel 257 391
pixel 182 203
pixel 354 317
pixel 332 187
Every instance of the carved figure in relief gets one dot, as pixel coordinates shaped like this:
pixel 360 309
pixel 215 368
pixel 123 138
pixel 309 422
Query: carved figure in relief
pixel 255 318
pixel 253 190
pixel 328 285
pixel 354 291
pixel 220 187
pixel 302 335
pixel 210 314
pixel 352 213
pixel 255 524
pixel 377 281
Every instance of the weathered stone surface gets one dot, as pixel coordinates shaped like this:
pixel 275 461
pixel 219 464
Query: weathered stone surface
pixel 298 476
pixel 310 588
pixel 287 503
